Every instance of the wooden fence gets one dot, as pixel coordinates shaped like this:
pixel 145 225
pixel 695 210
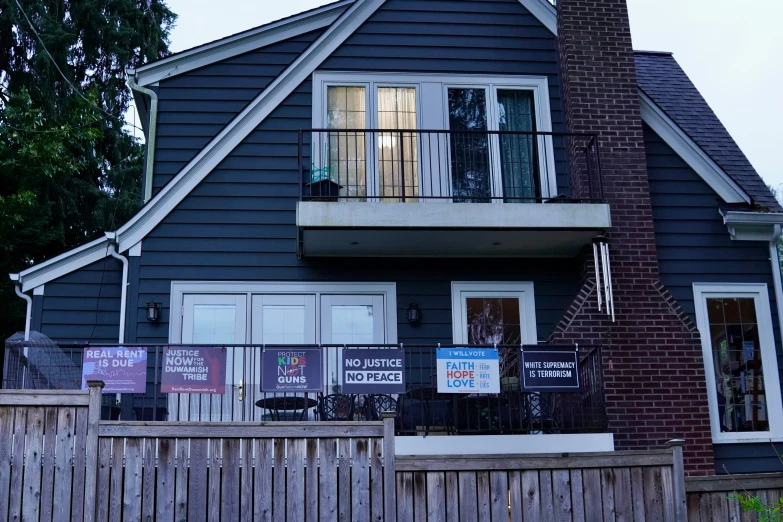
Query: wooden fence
pixel 708 497
pixel 59 462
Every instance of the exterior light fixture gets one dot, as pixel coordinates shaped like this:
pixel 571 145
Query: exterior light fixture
pixel 153 312
pixel 414 315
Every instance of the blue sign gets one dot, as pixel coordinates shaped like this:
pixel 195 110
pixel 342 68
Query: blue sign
pixel 468 370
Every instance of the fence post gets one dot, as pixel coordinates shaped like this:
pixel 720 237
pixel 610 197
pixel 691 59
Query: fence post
pixel 389 468
pixel 91 474
pixel 678 472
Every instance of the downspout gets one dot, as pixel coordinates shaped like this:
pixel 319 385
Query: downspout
pixel 17 288
pixel 774 257
pixel 151 132
pixel 124 292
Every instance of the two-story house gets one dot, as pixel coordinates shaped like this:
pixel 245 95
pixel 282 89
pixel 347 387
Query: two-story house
pixel 451 172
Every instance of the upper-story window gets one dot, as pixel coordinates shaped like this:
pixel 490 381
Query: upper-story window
pixel 740 361
pixel 424 137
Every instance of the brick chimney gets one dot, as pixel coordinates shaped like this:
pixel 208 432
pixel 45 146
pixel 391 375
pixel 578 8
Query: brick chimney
pixel 653 365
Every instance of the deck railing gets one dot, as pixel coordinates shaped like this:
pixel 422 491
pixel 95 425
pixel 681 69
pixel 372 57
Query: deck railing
pixel 421 410
pixel 413 166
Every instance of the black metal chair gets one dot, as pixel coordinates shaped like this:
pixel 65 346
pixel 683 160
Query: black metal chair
pixel 375 405
pixel 336 407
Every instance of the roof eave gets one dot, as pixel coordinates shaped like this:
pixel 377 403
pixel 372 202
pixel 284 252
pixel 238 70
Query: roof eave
pixel 63 264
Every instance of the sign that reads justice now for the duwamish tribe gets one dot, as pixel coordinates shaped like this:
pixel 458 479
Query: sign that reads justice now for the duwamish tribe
pixel 122 370
pixel 468 370
pixel 192 369
pixel 373 371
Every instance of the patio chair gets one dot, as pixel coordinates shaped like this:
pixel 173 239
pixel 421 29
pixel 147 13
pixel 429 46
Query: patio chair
pixel 375 405
pixel 336 407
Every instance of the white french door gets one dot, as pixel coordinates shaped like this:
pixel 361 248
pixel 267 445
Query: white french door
pixel 349 320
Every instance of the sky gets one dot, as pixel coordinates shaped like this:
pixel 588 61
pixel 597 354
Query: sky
pixel 731 49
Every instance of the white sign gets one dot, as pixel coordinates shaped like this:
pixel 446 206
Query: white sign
pixel 468 370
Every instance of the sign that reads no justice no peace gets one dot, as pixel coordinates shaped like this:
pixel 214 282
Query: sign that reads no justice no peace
pixel 373 371
pixel 468 370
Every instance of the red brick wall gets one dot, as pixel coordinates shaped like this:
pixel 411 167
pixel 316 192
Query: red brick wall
pixel 655 384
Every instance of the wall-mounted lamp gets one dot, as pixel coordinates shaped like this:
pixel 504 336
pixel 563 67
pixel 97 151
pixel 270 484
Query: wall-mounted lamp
pixel 413 313
pixel 153 312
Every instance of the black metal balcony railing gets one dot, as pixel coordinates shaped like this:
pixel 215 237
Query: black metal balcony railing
pixel 412 166
pixel 420 411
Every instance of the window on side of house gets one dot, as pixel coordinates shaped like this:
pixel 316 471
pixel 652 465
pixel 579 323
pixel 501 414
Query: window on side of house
pixel 736 330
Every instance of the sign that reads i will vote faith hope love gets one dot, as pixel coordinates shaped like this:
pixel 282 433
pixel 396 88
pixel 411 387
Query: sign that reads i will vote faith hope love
pixel 550 369
pixel 373 371
pixel 468 370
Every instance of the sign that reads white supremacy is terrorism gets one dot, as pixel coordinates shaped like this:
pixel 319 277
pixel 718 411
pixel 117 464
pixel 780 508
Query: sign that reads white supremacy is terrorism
pixel 553 369
pixel 373 371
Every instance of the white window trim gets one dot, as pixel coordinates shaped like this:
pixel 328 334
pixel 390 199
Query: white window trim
pixel 525 291
pixel 760 294
pixel 250 288
pixel 434 116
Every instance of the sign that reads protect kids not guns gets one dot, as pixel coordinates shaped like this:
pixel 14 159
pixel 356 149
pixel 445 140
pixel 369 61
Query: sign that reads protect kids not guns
pixel 122 370
pixel 468 370
pixel 292 370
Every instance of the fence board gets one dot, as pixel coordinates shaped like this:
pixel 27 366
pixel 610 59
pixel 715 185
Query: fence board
pixel 6 441
pixel 561 494
pixel 148 481
pixel 420 497
pixel 452 496
pixel 667 487
pixel 213 504
pixel 694 509
pixel 607 494
pixel 278 503
pixel 653 493
pixel 531 496
pixel 131 498
pixel 166 480
pixel 51 437
pixel 115 493
pixel 17 458
pixel 515 495
pixel 64 462
pixel 311 480
pixel 360 480
pixel 623 500
pixel 295 480
pixel 246 479
pixel 79 464
pixel 436 497
pixel 498 491
pixel 229 491
pixel 468 497
pixel 327 480
pixel 405 497
pixel 547 497
pixel 197 480
pixel 577 496
pixel 637 491
pixel 247 430
pixel 32 465
pixel 344 480
pixel 376 480
pixel 103 478
pixel 262 481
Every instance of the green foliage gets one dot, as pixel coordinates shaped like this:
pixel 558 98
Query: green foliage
pixel 70 168
pixel 764 512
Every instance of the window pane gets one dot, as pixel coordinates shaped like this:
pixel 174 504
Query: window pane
pixel 352 324
pixel 470 168
pixel 398 161
pixel 736 353
pixel 214 324
pixel 493 320
pixel 283 324
pixel 346 150
pixel 519 161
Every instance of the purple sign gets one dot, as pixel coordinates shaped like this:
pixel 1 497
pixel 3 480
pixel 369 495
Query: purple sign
pixel 193 370
pixel 292 370
pixel 123 370
pixel 373 371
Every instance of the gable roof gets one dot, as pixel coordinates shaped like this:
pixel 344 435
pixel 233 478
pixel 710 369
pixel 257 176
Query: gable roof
pixel 662 79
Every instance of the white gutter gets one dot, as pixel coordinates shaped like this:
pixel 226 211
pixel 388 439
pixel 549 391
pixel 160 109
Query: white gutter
pixel 774 257
pixel 124 293
pixel 151 131
pixel 15 277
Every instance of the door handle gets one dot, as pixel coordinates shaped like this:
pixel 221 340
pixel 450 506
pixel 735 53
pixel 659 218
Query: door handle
pixel 241 389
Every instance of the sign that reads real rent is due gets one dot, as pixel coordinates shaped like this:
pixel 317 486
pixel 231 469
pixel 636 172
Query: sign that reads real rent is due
pixel 122 370
pixel 194 370
pixel 468 370
pixel 552 369
pixel 373 371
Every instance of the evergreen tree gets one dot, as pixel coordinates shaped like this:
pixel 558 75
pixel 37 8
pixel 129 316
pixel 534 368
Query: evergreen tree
pixel 70 167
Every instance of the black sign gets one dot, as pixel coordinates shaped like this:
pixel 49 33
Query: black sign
pixel 373 371
pixel 550 368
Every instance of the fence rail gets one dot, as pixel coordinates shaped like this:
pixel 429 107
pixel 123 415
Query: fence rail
pixel 422 410
pixel 463 166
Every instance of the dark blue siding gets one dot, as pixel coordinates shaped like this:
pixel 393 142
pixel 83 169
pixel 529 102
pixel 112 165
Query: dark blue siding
pixel 694 246
pixel 194 107
pixel 83 306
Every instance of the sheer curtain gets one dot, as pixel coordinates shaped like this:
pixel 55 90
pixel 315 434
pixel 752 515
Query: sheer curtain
pixel 347 166
pixel 398 163
pixel 518 151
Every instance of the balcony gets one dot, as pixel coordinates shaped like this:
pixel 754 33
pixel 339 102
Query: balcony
pixel 448 193
pixel 421 411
